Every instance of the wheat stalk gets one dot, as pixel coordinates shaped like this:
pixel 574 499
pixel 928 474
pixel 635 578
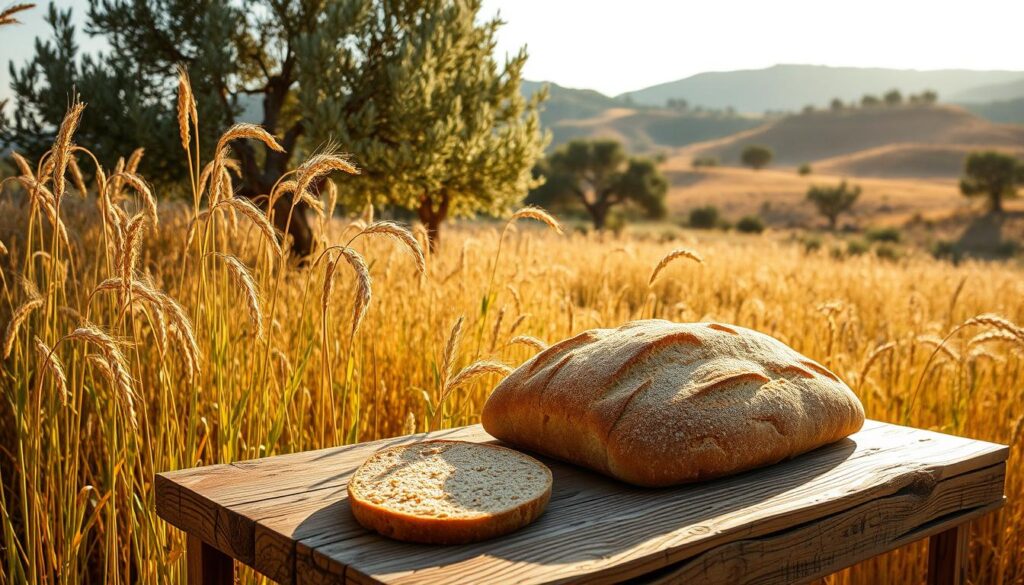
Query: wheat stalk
pixel 52 364
pixel 529 341
pixel 533 212
pixel 243 131
pixel 186 108
pixel 672 256
pixel 466 375
pixel 244 281
pixel 7 14
pixel 404 236
pixel 135 182
pixel 994 335
pixel 17 319
pixel 874 357
pixel 62 147
pixel 257 217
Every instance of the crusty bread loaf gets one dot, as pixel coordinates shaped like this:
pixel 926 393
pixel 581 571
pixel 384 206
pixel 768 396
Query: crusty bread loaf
pixel 448 492
pixel 658 403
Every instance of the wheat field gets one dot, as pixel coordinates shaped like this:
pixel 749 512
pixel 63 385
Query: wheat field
pixel 142 337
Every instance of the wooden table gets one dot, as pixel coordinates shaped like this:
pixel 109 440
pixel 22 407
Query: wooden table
pixel 884 487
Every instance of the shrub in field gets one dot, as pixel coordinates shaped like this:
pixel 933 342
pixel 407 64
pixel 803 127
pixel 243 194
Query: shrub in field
pixel 887 251
pixel 750 224
pixel 756 156
pixel 886 234
pixel 803 170
pixel 705 161
pixel 857 247
pixel 706 217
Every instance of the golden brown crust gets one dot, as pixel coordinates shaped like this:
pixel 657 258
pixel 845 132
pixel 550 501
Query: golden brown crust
pixel 429 530
pixel 659 403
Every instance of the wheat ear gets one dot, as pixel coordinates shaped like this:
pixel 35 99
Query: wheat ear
pixel 17 319
pixel 533 212
pixel 244 281
pixel 52 365
pixel 672 256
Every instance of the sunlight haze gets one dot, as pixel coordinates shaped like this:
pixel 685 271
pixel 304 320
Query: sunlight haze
pixel 619 47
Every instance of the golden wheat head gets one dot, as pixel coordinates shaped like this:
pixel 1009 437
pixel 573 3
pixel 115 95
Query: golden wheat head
pixel 672 256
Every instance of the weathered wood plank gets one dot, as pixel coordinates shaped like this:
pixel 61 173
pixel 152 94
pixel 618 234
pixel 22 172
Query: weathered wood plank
pixel 630 531
pixel 288 517
pixel 797 555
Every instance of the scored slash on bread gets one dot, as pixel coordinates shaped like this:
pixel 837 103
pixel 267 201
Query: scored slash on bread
pixel 658 403
pixel 448 492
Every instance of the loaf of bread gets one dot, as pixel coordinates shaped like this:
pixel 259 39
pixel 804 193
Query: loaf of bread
pixel 657 403
pixel 448 492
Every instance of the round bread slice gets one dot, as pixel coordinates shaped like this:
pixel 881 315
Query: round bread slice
pixel 657 403
pixel 448 492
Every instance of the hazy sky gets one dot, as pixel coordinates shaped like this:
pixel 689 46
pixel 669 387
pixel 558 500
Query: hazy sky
pixel 621 46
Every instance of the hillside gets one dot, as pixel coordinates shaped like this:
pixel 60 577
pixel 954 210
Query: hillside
pixel 992 92
pixel 923 161
pixel 826 135
pixel 1003 112
pixel 647 130
pixel 566 103
pixel 790 87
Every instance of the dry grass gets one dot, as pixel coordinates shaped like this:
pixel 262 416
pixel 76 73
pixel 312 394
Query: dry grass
pixel 137 356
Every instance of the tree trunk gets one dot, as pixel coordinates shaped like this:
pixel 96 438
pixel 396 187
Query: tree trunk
pixel 432 218
pixel 599 215
pixel 996 199
pixel 832 221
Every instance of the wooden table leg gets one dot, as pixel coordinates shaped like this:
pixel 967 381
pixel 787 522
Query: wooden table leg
pixel 207 565
pixel 947 552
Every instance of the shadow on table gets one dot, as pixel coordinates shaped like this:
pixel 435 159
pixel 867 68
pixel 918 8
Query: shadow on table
pixel 589 517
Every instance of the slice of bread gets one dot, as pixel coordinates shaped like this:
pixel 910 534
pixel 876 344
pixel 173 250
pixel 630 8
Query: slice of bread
pixel 657 403
pixel 448 492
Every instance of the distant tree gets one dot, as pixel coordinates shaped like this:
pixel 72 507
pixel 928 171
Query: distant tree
pixel 704 217
pixel 756 156
pixel 831 201
pixel 679 104
pixel 870 101
pixel 599 175
pixel 750 224
pixel 705 161
pixel 929 96
pixel 837 105
pixel 804 169
pixel 627 99
pixel 808 109
pixel 893 97
pixel 992 174
pixel 730 111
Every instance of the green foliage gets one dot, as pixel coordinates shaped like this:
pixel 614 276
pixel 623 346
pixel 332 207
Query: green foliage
pixel 411 89
pixel 599 175
pixel 811 243
pixel 870 101
pixel 705 161
pixel 804 170
pixel 856 247
pixel 893 97
pixel 706 217
pixel 750 224
pixel 886 251
pixel 837 105
pixel 756 156
pixel 991 174
pixel 831 201
pixel 886 234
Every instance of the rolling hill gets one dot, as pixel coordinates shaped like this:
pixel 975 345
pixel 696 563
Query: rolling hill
pixel 790 87
pixel 649 130
pixel 992 92
pixel 908 141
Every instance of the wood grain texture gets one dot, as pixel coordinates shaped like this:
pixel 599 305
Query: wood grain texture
pixel 288 516
pixel 947 552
